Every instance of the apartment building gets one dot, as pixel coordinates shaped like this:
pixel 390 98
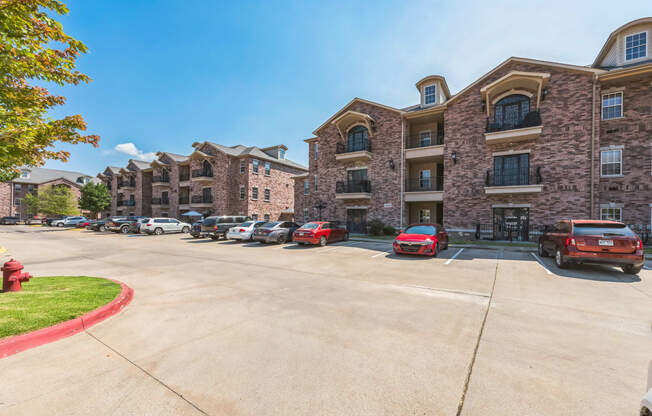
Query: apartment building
pixel 212 180
pixel 526 144
pixel 30 181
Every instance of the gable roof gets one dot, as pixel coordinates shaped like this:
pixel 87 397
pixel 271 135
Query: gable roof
pixel 174 156
pixel 140 164
pixel 614 36
pixel 42 175
pixel 356 99
pixel 253 151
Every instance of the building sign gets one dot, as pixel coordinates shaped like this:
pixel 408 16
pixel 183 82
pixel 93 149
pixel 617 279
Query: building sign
pixel 388 205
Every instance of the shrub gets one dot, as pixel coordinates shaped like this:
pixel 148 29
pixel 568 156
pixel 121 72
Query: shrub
pixel 376 227
pixel 389 230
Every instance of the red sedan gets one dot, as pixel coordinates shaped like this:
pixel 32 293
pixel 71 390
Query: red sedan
pixel 320 232
pixel 424 239
pixel 83 224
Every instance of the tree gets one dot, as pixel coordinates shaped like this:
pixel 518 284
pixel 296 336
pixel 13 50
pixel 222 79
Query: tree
pixel 95 198
pixel 31 203
pixel 28 52
pixel 57 200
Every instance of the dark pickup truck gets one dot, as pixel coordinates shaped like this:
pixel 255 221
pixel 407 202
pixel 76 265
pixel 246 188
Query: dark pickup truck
pixel 9 220
pixel 216 227
pixel 100 225
pixel 123 225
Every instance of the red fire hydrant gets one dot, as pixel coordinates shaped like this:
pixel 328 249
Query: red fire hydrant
pixel 12 276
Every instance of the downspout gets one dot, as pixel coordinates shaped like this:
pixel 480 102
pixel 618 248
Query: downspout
pixel 402 167
pixel 593 109
pixel 11 201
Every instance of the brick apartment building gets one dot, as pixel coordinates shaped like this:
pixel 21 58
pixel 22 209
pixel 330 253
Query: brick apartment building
pixel 29 182
pixel 528 143
pixel 212 180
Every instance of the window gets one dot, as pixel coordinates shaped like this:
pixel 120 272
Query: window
pixel 611 162
pixel 305 215
pixel 424 139
pixel 430 94
pixel 243 166
pixel 424 216
pixel 306 187
pixel 18 187
pixel 614 214
pixel 612 105
pixel 266 217
pixel 267 195
pixel 24 173
pixel 242 192
pixel 268 168
pixel 316 151
pixel 255 165
pixel 636 46
pixel 281 153
pixel 254 217
pixel 316 180
pixel 512 170
pixel 510 111
pixel 17 201
pixel 357 139
pixel 254 193
pixel 424 180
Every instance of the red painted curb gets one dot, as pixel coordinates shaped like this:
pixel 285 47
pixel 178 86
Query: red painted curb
pixel 18 343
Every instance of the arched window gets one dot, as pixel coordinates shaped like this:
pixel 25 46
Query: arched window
pixel 165 176
pixel 510 111
pixel 207 169
pixel 357 139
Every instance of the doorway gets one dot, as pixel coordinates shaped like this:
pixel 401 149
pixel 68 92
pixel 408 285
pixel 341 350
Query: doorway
pixel 356 221
pixel 511 224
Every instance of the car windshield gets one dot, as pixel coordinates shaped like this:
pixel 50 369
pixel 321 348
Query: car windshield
pixel 421 229
pixel 246 224
pixel 271 224
pixel 209 222
pixel 310 226
pixel 603 229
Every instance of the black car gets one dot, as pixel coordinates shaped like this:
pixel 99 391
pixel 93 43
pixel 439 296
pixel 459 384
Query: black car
pixel 100 225
pixel 275 232
pixel 122 225
pixel 195 230
pixel 135 226
pixel 216 227
pixel 9 220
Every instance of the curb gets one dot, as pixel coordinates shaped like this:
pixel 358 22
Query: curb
pixel 18 343
pixel 478 246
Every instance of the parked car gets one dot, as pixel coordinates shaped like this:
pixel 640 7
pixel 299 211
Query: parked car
pixel 163 225
pixel 424 239
pixel 593 241
pixel 137 225
pixel 48 220
pixel 646 403
pixel 33 220
pixel 244 231
pixel 83 224
pixel 321 232
pixel 275 232
pixel 67 222
pixel 9 220
pixel 100 225
pixel 195 229
pixel 217 226
pixel 122 224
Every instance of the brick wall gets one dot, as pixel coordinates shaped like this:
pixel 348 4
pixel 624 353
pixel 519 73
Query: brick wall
pixel 5 199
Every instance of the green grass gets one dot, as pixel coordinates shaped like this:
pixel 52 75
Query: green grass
pixel 494 243
pixel 46 301
pixel 373 237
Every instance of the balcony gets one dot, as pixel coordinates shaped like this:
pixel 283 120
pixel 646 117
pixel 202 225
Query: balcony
pixel 160 181
pixel 160 201
pixel 201 200
pixel 184 176
pixel 127 203
pixel 425 148
pixel 353 189
pixel 200 175
pixel 518 181
pixel 127 184
pixel 353 152
pixel 424 189
pixel 184 200
pixel 529 128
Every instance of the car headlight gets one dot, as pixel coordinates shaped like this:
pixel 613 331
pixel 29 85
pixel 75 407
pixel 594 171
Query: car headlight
pixel 428 241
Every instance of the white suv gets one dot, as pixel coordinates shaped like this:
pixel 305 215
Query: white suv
pixel 163 225
pixel 68 222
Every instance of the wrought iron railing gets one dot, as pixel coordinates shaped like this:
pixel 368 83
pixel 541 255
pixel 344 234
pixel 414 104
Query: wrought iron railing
pixel 200 173
pixel 514 177
pixel 160 201
pixel 503 230
pixel 435 183
pixel 358 146
pixel 531 119
pixel 130 203
pixel 414 142
pixel 184 176
pixel 160 179
pixel 127 184
pixel 184 200
pixel 202 199
pixel 347 187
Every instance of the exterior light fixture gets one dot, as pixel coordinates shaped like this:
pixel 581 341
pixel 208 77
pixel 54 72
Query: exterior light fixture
pixel 484 106
pixel 391 164
pixel 454 157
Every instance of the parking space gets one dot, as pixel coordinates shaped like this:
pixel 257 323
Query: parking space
pixel 226 327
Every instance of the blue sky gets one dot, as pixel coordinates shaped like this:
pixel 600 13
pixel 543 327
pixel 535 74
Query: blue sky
pixel 169 73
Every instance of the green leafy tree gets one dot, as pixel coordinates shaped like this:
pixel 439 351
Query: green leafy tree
pixel 95 198
pixel 31 203
pixel 34 47
pixel 57 200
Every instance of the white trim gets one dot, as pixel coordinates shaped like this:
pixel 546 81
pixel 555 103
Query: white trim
pixel 242 195
pixel 513 189
pixel 510 205
pixel 511 152
pixel 423 94
pixel 365 207
pixel 621 162
pixel 613 147
pixel 357 168
pixel 622 105
pixel 620 209
pixel 613 90
pixel 647 46
pixel 513 91
pixel 612 205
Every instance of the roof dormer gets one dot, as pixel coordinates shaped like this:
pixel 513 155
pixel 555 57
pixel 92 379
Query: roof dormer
pixel 627 45
pixel 277 152
pixel 433 90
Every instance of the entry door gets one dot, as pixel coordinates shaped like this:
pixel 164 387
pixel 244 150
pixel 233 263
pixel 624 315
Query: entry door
pixel 511 222
pixel 356 221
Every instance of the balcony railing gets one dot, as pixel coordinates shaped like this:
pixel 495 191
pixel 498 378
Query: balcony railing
pixel 184 176
pixel 184 200
pixel 361 146
pixel 435 183
pixel 349 187
pixel 531 119
pixel 127 203
pixel 200 173
pixel 515 177
pixel 160 201
pixel 127 184
pixel 202 199
pixel 414 142
pixel 160 179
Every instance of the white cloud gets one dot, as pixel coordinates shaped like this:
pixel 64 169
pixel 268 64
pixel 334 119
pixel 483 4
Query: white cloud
pixel 131 150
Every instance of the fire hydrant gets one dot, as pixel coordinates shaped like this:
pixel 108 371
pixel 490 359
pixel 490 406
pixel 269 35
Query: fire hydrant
pixel 12 276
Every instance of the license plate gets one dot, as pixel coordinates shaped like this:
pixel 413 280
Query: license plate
pixel 605 242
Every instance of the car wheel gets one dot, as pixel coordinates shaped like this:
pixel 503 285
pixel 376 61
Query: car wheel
pixel 282 239
pixel 322 241
pixel 541 250
pixel 195 236
pixel 158 231
pixel 60 225
pixel 559 260
pixel 185 230
pixel 102 228
pixel 214 237
pixel 124 230
pixel 630 269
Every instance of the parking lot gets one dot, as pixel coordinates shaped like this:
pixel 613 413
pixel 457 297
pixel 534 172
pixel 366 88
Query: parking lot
pixel 222 327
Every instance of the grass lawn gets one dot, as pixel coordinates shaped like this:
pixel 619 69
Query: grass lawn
pixel 46 301
pixel 373 237
pixel 494 243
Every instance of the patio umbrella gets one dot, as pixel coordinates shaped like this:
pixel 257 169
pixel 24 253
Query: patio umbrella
pixel 192 214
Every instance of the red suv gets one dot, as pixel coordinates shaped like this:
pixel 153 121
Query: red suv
pixel 592 241
pixel 320 232
pixel 426 239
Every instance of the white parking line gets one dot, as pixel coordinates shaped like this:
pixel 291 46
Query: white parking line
pixel 339 246
pixel 455 255
pixel 541 263
pixel 647 268
pixel 380 254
